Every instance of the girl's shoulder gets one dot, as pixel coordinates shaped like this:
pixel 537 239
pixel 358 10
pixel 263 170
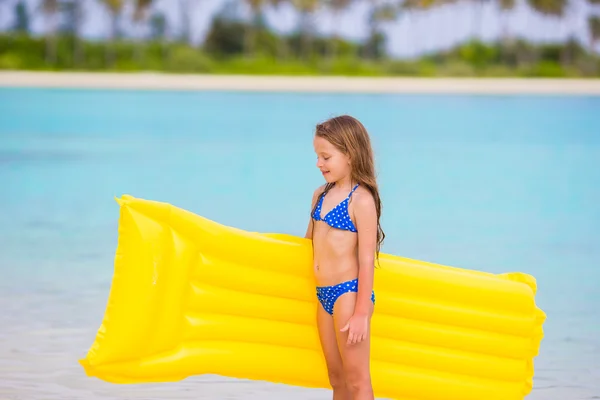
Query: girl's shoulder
pixel 318 192
pixel 362 197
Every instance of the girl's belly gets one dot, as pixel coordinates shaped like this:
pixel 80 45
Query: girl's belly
pixel 335 256
pixel 332 274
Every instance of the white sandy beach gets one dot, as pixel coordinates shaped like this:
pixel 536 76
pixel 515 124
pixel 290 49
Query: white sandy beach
pixel 310 84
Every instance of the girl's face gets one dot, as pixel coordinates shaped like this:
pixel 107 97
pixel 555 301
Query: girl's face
pixel 334 164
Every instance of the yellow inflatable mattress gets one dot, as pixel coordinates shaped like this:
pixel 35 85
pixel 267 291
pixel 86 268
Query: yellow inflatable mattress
pixel 190 296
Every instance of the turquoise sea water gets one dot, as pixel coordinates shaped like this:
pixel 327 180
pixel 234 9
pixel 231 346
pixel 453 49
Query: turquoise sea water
pixel 481 182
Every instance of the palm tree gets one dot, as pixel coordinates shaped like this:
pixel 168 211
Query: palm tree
pixel 506 6
pixel 282 45
pixel 594 29
pixel 335 6
pixel 380 13
pixel 1 5
pixel 477 21
pixel 186 8
pixel 158 31
pixel 409 7
pixel 594 26
pixel 256 7
pixel 306 8
pixel 75 11
pixel 50 11
pixel 421 5
pixel 550 8
pixel 21 24
pixel 114 8
pixel 140 9
pixel 139 18
pixel 255 23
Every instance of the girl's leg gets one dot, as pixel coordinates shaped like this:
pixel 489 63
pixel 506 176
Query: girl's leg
pixel 332 355
pixel 355 357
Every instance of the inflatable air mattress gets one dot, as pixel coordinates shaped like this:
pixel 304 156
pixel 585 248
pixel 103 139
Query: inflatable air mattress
pixel 190 296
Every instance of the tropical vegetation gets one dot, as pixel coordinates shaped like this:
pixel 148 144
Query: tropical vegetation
pixel 243 42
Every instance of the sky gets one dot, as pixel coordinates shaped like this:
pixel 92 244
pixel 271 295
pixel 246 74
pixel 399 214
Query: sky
pixel 412 34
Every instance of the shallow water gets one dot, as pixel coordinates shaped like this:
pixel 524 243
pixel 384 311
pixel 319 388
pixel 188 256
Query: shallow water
pixel 490 183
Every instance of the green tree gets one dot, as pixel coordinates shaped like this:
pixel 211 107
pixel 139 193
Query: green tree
pixel 158 32
pixel 114 8
pixel 410 7
pixel 282 43
pixel 594 30
pixel 379 14
pixel 594 26
pixel 549 8
pixel 73 21
pixel 335 7
pixel 477 21
pixel 253 25
pixel 225 37
pixel 506 7
pixel 21 24
pixel 186 11
pixel 140 15
pixel 158 26
pixel 257 24
pixel 50 10
pixel 306 9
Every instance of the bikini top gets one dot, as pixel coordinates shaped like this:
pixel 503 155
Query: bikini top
pixel 338 217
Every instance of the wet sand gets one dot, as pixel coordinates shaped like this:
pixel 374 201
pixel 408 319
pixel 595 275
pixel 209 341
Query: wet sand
pixel 43 335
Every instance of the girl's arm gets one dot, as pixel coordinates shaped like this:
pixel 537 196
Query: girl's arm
pixel 309 229
pixel 365 215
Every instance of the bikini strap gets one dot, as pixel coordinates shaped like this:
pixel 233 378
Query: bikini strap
pixel 353 189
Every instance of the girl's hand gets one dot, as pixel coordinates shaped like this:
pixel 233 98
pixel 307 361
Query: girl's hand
pixel 357 326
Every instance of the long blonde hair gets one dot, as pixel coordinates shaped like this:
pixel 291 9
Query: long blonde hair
pixel 350 137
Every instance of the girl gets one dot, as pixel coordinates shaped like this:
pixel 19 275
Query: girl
pixel 346 236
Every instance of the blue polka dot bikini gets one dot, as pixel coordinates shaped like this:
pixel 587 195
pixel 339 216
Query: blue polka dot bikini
pixel 338 218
